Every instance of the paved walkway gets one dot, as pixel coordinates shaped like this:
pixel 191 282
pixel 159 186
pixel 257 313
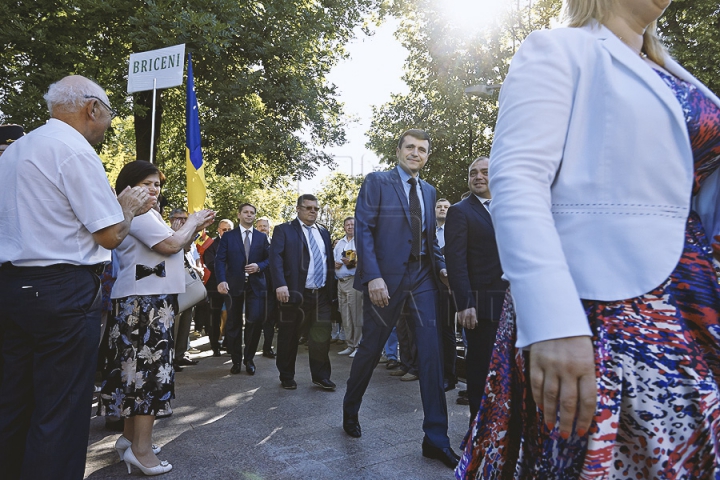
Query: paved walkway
pixel 247 427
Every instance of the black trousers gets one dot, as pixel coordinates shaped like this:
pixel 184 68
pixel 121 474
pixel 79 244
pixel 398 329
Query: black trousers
pixel 446 315
pixel 254 308
pixel 314 312
pixel 216 301
pixel 480 343
pixel 50 319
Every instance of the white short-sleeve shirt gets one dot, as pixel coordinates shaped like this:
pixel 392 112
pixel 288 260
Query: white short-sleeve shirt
pixel 54 194
pixel 146 231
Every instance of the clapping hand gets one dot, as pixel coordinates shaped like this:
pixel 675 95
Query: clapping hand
pixel 203 219
pixel 136 200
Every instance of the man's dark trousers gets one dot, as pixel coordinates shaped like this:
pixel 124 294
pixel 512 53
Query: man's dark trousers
pixel 481 341
pixel 447 321
pixel 315 312
pixel 253 306
pixel 50 318
pixel 417 298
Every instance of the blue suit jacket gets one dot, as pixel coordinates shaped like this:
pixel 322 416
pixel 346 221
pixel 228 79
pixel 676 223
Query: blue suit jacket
pixel 472 259
pixel 382 230
pixel 230 261
pixel 290 260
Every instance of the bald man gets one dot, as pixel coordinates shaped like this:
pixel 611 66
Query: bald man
pixel 58 218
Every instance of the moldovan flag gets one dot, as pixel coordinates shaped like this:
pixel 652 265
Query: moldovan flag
pixel 194 160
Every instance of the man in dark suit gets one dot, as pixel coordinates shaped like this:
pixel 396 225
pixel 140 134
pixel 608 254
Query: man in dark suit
pixel 475 275
pixel 399 267
pixel 241 258
pixel 303 273
pixel 216 299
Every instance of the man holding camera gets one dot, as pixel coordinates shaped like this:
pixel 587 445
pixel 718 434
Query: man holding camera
pixel 349 300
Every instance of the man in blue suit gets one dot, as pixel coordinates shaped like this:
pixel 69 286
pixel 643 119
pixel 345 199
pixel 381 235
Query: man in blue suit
pixel 302 268
pixel 475 275
pixel 243 255
pixel 399 267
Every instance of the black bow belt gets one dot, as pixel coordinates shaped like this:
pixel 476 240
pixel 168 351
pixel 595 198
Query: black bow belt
pixel 141 271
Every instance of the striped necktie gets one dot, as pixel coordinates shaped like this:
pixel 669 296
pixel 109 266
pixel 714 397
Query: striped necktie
pixel 318 276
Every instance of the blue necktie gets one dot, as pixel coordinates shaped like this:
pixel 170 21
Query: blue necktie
pixel 317 258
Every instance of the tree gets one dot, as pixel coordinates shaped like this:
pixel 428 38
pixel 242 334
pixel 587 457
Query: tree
pixel 443 61
pixel 260 72
pixel 691 30
pixel 337 197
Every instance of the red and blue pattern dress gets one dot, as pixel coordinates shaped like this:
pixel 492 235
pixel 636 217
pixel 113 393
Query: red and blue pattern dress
pixel 657 362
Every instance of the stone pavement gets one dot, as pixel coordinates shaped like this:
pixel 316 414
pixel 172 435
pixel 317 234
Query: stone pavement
pixel 247 427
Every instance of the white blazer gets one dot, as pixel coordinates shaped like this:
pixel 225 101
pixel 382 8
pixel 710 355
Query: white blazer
pixel 591 172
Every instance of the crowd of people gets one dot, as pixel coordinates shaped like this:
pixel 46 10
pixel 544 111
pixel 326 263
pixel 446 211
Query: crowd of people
pixel 579 271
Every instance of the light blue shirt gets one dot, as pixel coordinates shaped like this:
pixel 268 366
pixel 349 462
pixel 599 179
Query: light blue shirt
pixel 404 177
pixel 440 234
pixel 321 246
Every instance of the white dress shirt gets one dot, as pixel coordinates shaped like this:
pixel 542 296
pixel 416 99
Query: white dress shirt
pixel 54 194
pixel 343 245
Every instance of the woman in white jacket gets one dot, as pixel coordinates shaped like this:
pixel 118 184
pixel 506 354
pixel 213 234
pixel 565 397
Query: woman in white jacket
pixel 605 183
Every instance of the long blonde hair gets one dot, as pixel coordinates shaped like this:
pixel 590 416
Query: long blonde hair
pixel 580 12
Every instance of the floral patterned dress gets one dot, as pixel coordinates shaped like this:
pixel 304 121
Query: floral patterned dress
pixel 140 379
pixel 657 362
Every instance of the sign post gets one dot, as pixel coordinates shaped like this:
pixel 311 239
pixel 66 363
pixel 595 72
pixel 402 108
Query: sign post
pixel 162 68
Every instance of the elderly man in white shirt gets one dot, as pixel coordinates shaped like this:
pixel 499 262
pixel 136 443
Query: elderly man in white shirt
pixel 58 217
pixel 349 300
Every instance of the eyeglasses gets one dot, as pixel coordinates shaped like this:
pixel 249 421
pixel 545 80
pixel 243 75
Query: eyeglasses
pixel 113 113
pixel 310 209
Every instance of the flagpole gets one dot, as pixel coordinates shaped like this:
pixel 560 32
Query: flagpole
pixel 152 121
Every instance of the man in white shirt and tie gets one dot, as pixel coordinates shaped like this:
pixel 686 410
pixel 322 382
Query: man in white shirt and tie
pixel 303 274
pixel 242 257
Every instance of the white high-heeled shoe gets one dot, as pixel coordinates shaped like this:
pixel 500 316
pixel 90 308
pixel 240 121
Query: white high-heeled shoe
pixel 123 444
pixel 130 459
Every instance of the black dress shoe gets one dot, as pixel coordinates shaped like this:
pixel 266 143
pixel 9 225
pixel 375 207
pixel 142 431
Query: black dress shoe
pixel 302 341
pixel 462 400
pixel 463 393
pixel 288 384
pixel 177 367
pixel 216 353
pixel 250 367
pixel 391 364
pixel 445 455
pixel 325 384
pixel 236 368
pixel 269 353
pixel 351 425
pixel 184 362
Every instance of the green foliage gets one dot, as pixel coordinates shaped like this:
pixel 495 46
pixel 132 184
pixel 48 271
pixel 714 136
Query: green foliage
pixel 260 71
pixel 443 61
pixel 337 197
pixel 691 30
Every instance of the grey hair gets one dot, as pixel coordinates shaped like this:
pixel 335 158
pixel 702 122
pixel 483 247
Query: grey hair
pixel 228 221
pixel 71 94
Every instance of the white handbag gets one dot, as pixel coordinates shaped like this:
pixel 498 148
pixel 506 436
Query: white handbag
pixel 195 291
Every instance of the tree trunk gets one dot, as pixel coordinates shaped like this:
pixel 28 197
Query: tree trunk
pixel 143 125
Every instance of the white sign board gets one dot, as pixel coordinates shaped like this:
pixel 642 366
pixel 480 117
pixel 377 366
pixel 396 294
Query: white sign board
pixel 165 65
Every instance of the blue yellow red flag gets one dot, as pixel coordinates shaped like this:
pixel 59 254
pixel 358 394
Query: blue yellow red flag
pixel 193 153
